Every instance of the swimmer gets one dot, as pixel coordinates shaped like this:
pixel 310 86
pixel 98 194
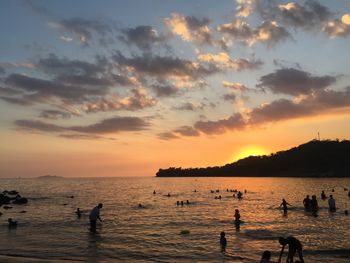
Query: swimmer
pixel 266 256
pixel 331 203
pixel 239 195
pixel 323 195
pixel 187 202
pixel 154 192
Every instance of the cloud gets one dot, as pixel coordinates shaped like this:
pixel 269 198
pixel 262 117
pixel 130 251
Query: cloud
pixel 143 37
pixel 234 122
pixel 310 15
pixel 112 125
pixel 2 70
pixel 294 82
pixel 190 28
pixel 66 39
pixel 235 86
pixel 190 106
pixel 40 89
pixel 139 100
pixel 74 136
pixel 167 136
pixel 187 131
pixel 54 114
pixel 224 61
pixel 244 7
pixel 337 28
pixel 320 102
pixel 164 90
pixel 164 67
pixel 229 97
pixel 268 32
pixel 85 29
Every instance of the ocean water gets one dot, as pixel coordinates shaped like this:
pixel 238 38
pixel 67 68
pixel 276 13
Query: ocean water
pixel 49 230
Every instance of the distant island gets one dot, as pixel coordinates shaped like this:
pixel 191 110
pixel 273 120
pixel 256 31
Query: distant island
pixel 49 177
pixel 326 158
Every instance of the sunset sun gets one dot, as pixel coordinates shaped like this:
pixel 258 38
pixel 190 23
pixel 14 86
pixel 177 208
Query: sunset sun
pixel 249 150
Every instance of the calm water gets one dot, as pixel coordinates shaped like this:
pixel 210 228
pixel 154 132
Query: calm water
pixel 50 230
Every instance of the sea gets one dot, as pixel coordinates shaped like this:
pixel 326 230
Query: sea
pixel 161 231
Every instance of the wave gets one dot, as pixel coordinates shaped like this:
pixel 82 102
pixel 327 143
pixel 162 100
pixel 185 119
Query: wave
pixel 262 234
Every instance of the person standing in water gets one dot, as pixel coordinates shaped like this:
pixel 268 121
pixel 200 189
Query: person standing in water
pixel 294 245
pixel 284 204
pixel 223 241
pixel 307 202
pixel 331 203
pixel 314 204
pixel 93 216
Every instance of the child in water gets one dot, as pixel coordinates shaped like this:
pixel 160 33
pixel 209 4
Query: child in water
pixel 223 241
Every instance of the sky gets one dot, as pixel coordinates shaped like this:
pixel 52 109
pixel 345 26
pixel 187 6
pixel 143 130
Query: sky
pixel 123 88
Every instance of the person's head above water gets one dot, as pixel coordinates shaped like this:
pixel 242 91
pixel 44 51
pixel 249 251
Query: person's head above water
pixel 266 255
pixel 100 205
pixel 222 234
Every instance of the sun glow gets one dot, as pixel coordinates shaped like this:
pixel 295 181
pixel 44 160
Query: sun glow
pixel 249 150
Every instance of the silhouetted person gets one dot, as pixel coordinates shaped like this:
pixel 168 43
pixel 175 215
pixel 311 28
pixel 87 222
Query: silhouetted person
pixel 93 216
pixel 237 216
pixel 11 223
pixel 284 204
pixel 78 212
pixel 187 202
pixel 333 190
pixel 223 241
pixel 219 196
pixel 314 204
pixel 141 206
pixel 307 202
pixel 331 203
pixel 323 195
pixel 266 256
pixel 168 195
pixel 182 203
pixel 349 193
pixel 346 212
pixel 245 191
pixel 154 192
pixel 177 203
pixel 294 246
pixel 239 195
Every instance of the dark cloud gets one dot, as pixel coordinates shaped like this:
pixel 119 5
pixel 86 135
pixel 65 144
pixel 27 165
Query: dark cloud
pixel 167 136
pixel 229 97
pixel 294 82
pixel 112 125
pixel 187 131
pixel 319 102
pixel 23 101
pixel 86 29
pixel 190 106
pixel 43 89
pixel 164 90
pixel 309 15
pixel 2 70
pixel 74 136
pixel 235 122
pixel 166 66
pixel 63 66
pixel 55 114
pixel 143 37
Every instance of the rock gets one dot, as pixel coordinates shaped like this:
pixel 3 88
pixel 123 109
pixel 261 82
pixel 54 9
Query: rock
pixel 4 200
pixel 7 207
pixel 20 201
pixel 13 192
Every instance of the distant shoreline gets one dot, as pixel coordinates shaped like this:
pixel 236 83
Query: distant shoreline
pixel 314 159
